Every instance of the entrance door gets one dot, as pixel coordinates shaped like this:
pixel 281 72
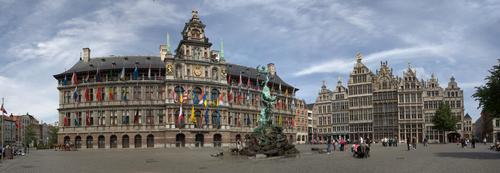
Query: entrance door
pixel 180 140
pixel 199 138
pixel 217 140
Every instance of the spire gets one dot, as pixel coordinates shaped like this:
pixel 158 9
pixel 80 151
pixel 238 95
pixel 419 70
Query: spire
pixel 433 76
pixel 339 81
pixel 324 84
pixel 194 13
pixel 221 48
pixel 359 57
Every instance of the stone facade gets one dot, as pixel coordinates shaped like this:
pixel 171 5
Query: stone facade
pixel 383 105
pixel 192 98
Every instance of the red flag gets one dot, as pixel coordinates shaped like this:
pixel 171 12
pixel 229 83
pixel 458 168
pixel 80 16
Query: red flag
pixel 99 95
pixel 230 96
pixel 110 93
pixel 229 80
pixel 74 79
pixel 2 109
pixel 65 122
pixel 87 118
pixel 87 94
pixel 136 117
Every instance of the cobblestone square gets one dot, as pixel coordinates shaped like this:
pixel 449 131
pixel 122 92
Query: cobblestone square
pixel 435 158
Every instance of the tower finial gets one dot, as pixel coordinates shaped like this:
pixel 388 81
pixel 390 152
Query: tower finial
pixel 194 13
pixel 168 42
pixel 359 57
pixel 221 48
pixel 324 84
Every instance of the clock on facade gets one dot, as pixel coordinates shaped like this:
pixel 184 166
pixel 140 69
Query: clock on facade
pixel 197 71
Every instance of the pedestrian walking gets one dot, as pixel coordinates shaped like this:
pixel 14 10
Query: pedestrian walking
pixel 414 143
pixel 473 142
pixel 425 142
pixel 329 146
pixel 484 141
pixel 408 143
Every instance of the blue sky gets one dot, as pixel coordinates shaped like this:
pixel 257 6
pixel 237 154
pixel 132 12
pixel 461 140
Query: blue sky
pixel 309 41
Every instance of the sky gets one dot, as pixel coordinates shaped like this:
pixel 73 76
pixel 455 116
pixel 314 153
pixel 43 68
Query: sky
pixel 309 41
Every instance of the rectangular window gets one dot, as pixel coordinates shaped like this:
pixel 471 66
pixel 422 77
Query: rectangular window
pixel 125 117
pixel 137 93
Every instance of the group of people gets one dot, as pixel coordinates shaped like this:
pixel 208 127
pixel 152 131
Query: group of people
pixel 361 148
pixel 8 152
pixel 334 143
pixel 391 142
pixel 465 142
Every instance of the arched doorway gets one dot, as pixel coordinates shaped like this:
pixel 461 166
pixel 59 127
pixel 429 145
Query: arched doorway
pixel 199 138
pixel 113 141
pixel 90 143
pixel 290 139
pixel 66 140
pixel 125 141
pixel 78 142
pixel 180 140
pixel 150 142
pixel 138 141
pixel 217 140
pixel 101 141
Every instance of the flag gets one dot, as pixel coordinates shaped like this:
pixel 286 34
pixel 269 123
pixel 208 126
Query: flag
pixel 240 81
pixel 2 109
pixel 65 122
pixel 179 119
pixel 122 75
pixel 280 121
pixel 110 93
pixel 87 78
pixel 229 80
pixel 248 120
pixel 193 118
pixel 136 117
pixel 230 96
pixel 218 119
pixel 75 94
pixel 248 83
pixel 149 72
pixel 65 81
pixel 221 99
pixel 99 94
pixel 87 118
pixel 124 94
pixel 180 97
pixel 185 96
pixel 74 79
pixel 279 87
pixel 195 98
pixel 135 74
pixel 202 98
pixel 97 76
pixel 257 83
pixel 76 121
pixel 206 116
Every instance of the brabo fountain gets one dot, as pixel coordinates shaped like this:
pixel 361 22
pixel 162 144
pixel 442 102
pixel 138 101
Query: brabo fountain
pixel 267 138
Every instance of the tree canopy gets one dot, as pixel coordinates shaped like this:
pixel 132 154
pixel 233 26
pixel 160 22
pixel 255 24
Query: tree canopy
pixel 443 120
pixel 488 95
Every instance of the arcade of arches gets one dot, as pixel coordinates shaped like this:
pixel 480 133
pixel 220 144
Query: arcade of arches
pixel 156 140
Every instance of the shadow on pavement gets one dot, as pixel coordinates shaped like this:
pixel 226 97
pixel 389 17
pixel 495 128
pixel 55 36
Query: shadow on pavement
pixel 471 155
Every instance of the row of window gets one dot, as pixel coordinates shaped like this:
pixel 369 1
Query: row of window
pixel 360 115
pixel 113 94
pixel 360 89
pixel 360 101
pixel 410 98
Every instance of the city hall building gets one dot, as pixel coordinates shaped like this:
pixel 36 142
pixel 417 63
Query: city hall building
pixel 190 97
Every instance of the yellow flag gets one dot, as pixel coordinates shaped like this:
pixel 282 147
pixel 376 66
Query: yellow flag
pixel 193 118
pixel 180 98
pixel 280 121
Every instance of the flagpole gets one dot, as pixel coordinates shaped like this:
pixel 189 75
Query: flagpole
pixel 2 126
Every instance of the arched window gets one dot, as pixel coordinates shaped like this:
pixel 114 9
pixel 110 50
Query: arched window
pixel 66 140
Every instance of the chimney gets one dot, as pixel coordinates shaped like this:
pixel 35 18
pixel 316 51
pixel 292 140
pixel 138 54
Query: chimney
pixel 86 54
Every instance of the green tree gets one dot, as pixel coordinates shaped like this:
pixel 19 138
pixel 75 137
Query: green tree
pixel 488 95
pixel 53 135
pixel 443 120
pixel 29 135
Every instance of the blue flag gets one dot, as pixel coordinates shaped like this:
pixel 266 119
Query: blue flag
pixel 65 81
pixel 218 119
pixel 135 73
pixel 206 117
